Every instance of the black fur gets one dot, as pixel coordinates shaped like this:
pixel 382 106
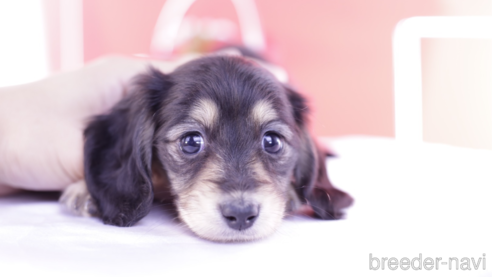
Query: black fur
pixel 117 154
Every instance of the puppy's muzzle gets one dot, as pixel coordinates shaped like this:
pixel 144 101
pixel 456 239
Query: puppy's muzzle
pixel 240 217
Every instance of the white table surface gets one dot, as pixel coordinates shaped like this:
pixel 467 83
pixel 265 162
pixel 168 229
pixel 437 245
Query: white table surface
pixel 428 199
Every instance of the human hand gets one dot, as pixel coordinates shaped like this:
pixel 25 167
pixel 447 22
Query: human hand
pixel 42 123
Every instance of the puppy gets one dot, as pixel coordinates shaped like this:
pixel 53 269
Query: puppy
pixel 220 137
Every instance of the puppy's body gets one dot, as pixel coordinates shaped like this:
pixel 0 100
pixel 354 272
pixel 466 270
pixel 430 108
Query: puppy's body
pixel 222 138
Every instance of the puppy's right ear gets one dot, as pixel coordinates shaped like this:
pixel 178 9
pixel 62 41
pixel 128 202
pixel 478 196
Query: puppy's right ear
pixel 310 177
pixel 118 152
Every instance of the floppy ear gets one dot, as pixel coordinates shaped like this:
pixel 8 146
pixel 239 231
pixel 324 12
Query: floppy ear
pixel 326 201
pixel 310 177
pixel 118 152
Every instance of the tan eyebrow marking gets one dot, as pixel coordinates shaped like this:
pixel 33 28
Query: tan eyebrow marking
pixel 176 131
pixel 263 112
pixel 206 112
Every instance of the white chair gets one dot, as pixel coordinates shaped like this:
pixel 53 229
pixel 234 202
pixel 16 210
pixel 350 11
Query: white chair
pixel 408 66
pixel 173 12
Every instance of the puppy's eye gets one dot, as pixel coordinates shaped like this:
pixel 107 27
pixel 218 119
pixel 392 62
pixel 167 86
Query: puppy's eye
pixel 191 143
pixel 272 143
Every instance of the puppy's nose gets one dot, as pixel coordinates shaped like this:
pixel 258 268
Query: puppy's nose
pixel 239 217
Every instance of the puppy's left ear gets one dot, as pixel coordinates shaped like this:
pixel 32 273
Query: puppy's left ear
pixel 310 176
pixel 118 152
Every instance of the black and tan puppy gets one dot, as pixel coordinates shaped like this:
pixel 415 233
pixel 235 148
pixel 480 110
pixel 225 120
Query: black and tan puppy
pixel 222 136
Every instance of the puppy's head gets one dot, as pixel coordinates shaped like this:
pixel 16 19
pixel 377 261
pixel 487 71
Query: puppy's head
pixel 232 143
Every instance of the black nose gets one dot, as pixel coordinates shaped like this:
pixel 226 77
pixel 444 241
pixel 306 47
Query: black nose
pixel 239 217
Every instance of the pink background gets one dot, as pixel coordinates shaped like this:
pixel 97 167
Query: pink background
pixel 337 52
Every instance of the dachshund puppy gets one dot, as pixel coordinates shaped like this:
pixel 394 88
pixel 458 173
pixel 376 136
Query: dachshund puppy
pixel 221 137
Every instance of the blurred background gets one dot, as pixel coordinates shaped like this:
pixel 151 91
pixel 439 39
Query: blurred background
pixel 337 52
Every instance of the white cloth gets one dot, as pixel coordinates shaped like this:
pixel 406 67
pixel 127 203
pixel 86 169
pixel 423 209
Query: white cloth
pixel 426 199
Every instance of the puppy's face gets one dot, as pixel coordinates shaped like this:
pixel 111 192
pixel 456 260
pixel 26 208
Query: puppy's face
pixel 230 140
pixel 229 144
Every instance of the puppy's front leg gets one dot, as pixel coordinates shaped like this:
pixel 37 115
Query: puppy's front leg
pixel 76 200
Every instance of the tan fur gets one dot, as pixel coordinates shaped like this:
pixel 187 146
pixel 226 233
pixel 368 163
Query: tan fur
pixel 293 199
pixel 205 112
pixel 263 112
pixel 76 200
pixel 199 206
pixel 178 181
pixel 177 131
pixel 160 183
pixel 261 175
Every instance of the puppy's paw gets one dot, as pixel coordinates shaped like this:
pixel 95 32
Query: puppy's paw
pixel 329 203
pixel 76 200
